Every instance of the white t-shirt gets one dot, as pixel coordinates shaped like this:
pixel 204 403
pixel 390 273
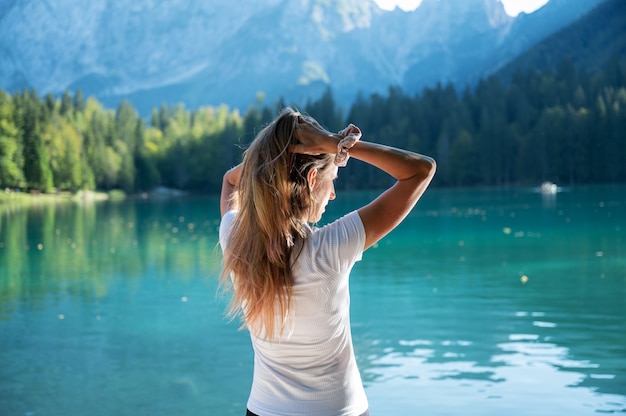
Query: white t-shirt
pixel 311 369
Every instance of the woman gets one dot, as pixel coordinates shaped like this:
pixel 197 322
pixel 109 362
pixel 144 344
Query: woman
pixel 290 280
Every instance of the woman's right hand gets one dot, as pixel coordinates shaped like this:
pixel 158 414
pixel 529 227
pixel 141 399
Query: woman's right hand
pixel 351 129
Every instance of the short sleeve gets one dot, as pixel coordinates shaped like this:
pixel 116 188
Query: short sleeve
pixel 340 244
pixel 226 227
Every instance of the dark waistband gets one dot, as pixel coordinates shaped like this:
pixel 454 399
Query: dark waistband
pixel 249 413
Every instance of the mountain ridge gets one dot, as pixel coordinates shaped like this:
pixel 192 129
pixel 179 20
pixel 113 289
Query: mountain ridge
pixel 587 43
pixel 187 51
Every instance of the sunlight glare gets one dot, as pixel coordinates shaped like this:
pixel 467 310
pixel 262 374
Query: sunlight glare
pixel 406 5
pixel 515 7
pixel 511 7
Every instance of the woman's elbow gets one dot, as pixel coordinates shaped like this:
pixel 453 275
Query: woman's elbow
pixel 433 165
pixel 429 167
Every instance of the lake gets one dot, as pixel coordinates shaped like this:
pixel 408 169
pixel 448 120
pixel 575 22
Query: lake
pixel 483 302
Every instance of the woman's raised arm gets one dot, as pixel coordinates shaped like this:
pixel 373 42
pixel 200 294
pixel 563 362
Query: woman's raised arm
pixel 413 173
pixel 228 198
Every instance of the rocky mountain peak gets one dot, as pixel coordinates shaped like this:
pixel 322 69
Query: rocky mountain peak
pixel 204 53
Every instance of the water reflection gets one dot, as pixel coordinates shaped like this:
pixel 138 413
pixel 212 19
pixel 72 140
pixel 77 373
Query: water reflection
pixel 482 302
pixel 77 248
pixel 528 375
pixel 458 284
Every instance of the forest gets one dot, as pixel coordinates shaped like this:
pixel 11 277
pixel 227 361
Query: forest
pixel 564 125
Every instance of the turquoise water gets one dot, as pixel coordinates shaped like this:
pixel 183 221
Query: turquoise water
pixel 483 302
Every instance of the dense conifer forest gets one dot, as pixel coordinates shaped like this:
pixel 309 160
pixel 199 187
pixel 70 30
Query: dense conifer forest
pixel 564 125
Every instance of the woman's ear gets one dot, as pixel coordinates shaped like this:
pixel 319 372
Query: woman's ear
pixel 311 177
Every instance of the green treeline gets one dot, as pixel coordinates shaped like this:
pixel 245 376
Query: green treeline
pixel 563 125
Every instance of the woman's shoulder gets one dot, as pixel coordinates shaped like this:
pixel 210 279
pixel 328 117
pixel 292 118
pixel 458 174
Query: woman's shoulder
pixel 351 221
pixel 225 226
pixel 345 233
pixel 335 247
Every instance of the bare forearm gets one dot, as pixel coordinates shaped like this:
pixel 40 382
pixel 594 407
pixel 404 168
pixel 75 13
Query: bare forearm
pixel 401 164
pixel 413 173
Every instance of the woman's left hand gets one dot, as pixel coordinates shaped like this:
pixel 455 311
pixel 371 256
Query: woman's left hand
pixel 313 139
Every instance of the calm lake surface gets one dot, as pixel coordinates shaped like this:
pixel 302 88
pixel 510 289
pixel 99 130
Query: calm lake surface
pixel 483 302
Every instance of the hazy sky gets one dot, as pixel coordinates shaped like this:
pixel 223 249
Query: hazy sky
pixel 512 7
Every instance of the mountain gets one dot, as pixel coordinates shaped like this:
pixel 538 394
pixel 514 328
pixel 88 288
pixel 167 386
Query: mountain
pixel 207 53
pixel 588 43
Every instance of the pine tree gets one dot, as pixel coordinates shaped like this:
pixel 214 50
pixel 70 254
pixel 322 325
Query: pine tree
pixel 10 172
pixel 29 114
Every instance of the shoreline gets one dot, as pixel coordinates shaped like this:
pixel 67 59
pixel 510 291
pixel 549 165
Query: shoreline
pixel 12 198
pixel 23 199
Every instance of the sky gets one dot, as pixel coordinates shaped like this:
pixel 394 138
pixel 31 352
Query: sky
pixel 512 7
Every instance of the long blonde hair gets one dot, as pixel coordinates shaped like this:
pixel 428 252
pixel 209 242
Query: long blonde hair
pixel 275 202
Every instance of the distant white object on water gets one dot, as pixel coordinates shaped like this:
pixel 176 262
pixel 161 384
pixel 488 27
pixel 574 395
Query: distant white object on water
pixel 548 188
